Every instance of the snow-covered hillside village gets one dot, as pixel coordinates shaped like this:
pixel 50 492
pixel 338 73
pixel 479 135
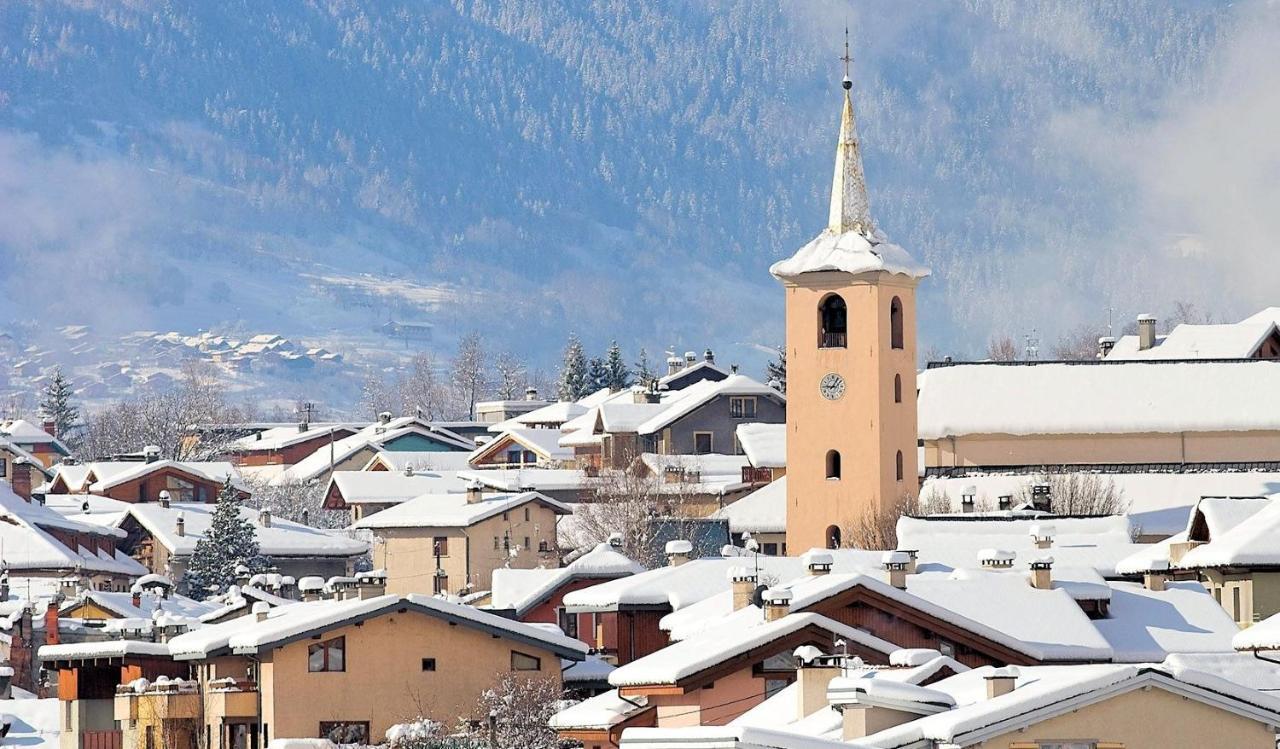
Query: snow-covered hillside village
pixel 411 525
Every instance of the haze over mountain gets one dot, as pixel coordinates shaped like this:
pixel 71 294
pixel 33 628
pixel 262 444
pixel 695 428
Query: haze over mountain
pixel 625 169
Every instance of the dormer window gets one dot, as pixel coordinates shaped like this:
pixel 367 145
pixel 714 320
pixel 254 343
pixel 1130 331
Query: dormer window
pixel 833 321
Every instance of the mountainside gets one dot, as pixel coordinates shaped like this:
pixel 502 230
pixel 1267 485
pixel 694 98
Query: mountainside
pixel 617 168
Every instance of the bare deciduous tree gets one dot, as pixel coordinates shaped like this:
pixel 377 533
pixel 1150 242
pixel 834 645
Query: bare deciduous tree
pixel 626 502
pixel 1078 344
pixel 422 391
pixel 1077 493
pixel 877 528
pixel 467 373
pixel 299 501
pixel 510 377
pixel 1002 348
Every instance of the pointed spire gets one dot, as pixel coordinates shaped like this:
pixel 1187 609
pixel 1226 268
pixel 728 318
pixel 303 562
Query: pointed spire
pixel 850 207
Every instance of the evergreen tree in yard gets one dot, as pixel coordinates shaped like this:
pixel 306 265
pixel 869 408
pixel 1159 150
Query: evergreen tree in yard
pixel 644 369
pixel 56 406
pixel 617 374
pixel 230 542
pixel 573 373
pixel 776 370
pixel 597 375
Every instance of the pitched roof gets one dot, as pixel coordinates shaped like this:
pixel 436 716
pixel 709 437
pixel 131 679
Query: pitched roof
pixel 285 624
pixel 284 538
pixel 521 590
pixel 1250 542
pixel 543 442
pixel 453 510
pixel 373 436
pixel 114 474
pixel 764 444
pixel 762 511
pixel 391 487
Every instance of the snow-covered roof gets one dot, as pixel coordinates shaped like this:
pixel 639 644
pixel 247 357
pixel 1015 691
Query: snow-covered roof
pixel 117 474
pixel 1143 626
pixel 762 511
pixel 1250 542
pixel 284 624
pixel 278 438
pixel 764 444
pixel 709 473
pixel 1124 398
pixel 283 538
pixel 73 475
pixel 1264 635
pixel 391 487
pixel 372 437
pixel 453 510
pixel 421 460
pixel 1187 341
pixel 687 658
pixel 1097 543
pixel 687 400
pixel 600 712
pixel 550 415
pixel 1158 503
pixel 538 479
pixel 28 544
pixel 24 432
pixel 715 370
pixel 848 252
pixel 523 589
pixel 121 604
pixel 545 443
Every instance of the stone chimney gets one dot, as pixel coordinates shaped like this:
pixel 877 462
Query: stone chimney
pixel 678 552
pixel 996 559
pixel 1001 681
pixel 260 610
pixel 777 604
pixel 1042 534
pixel 180 526
pixel 1157 575
pixel 20 480
pixel 816 562
pixel 1105 344
pixel 895 565
pixel 743 581
pixel 474 491
pixel 151 453
pixel 1042 573
pixel 165 498
pixel 264 518
pixel 1146 332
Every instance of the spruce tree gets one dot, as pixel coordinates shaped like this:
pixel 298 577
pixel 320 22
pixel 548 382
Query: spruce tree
pixel 617 374
pixel 643 369
pixel 230 542
pixel 597 375
pixel 56 406
pixel 573 372
pixel 776 370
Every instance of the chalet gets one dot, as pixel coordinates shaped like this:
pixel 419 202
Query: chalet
pixel 42 442
pixel 452 543
pixel 330 676
pixel 701 418
pixel 163 535
pixel 537 595
pixel 522 447
pixel 364 493
pixel 402 434
pixel 286 445
pixel 144 481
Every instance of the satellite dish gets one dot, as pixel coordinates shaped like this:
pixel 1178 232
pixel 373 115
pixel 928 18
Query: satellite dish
pixel 757 597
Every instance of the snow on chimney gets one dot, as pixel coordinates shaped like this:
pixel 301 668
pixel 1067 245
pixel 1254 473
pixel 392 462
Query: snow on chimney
pixel 895 565
pixel 384 418
pixel 1146 332
pixel 816 562
pixel 1043 534
pixel 1157 575
pixel 51 427
pixel 709 356
pixel 180 526
pixel 260 610
pixel 151 453
pixel 531 393
pixel 678 552
pixel 777 604
pixel 996 559
pixel 968 498
pixel 1001 681
pixel 1105 344
pixel 474 491
pixel 743 582
pixel 165 498
pixel 1042 573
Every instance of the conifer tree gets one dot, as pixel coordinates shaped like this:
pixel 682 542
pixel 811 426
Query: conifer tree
pixel 643 369
pixel 56 405
pixel 573 372
pixel 776 370
pixel 230 542
pixel 617 374
pixel 597 375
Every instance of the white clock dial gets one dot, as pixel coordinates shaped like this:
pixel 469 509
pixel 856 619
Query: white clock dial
pixel 832 386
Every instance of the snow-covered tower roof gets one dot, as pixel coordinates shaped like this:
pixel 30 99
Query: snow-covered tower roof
pixel 850 243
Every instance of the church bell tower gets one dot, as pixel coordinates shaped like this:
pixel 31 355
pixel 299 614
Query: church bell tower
pixel 851 363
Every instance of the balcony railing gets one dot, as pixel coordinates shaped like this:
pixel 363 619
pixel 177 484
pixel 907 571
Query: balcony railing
pixel 833 340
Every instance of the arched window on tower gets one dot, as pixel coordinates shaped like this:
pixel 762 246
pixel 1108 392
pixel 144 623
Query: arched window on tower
pixel 899 464
pixel 895 323
pixel 833 537
pixel 833 322
pixel 897 388
pixel 833 464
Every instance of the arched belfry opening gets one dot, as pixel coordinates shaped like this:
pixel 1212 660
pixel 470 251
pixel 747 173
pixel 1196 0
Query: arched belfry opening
pixel 895 323
pixel 833 322
pixel 833 464
pixel 833 536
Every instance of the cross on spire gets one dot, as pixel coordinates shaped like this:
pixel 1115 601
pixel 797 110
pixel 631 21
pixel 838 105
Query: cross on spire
pixel 846 59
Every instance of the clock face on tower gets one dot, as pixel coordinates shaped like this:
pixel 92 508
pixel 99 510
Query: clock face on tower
pixel 832 386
